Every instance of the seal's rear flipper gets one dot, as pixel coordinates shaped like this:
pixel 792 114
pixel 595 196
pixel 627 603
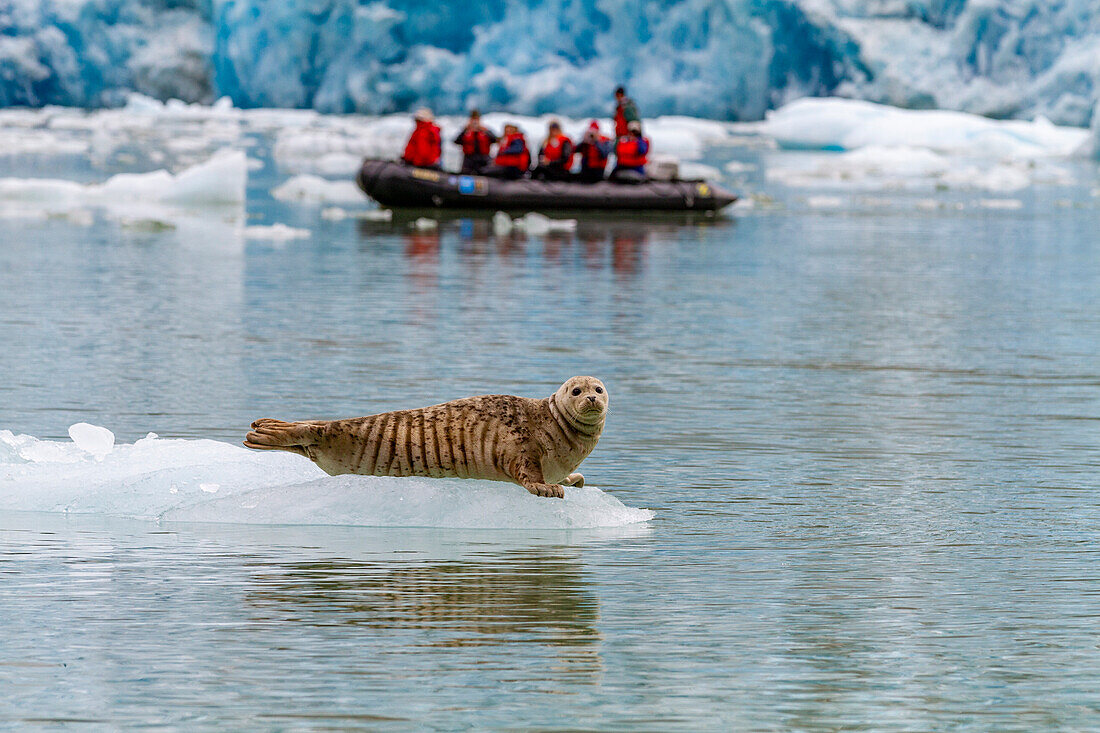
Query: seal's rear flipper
pixel 268 434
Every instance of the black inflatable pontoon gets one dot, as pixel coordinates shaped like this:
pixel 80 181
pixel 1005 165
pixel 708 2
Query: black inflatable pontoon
pixel 399 185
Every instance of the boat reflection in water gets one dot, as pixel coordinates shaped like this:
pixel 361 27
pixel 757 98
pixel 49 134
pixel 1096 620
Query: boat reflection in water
pixel 607 240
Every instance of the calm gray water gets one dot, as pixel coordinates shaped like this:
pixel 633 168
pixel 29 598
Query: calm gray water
pixel 871 437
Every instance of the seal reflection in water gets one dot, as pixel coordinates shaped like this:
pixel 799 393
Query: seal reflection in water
pixel 537 444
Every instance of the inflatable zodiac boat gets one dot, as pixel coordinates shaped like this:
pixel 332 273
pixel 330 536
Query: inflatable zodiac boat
pixel 399 185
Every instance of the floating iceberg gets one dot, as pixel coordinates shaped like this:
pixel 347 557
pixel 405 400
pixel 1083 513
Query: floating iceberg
pixel 873 146
pixel 219 181
pixel 844 124
pixel 210 481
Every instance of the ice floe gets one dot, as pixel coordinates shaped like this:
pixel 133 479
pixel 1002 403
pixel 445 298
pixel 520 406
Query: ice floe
pixel 219 181
pixel 211 481
pixel 310 189
pixel 878 147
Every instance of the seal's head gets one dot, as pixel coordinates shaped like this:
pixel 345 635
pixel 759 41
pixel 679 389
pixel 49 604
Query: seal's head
pixel 583 402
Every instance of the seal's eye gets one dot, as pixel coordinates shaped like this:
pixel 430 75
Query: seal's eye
pixel 599 390
pixel 576 391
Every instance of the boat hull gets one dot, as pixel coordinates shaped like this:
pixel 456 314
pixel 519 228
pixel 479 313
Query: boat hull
pixel 398 185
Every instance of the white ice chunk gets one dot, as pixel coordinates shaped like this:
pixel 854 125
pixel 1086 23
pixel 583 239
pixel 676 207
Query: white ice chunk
pixel 218 181
pixel 537 224
pixel 307 188
pixel 825 202
pixel 375 215
pixel 1001 204
pixel 205 480
pixel 98 441
pixel 276 232
pixel 502 224
pixel 736 167
pixel 334 213
pixel 844 124
pixel 424 224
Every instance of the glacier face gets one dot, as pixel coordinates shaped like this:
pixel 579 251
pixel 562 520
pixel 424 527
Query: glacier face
pixel 730 59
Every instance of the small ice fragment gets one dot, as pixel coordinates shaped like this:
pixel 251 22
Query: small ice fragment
pixel 316 190
pixel 743 205
pixel 736 166
pixel 92 439
pixel 536 224
pixel 424 223
pixel 502 224
pixel 825 202
pixel 1005 204
pixel 210 488
pixel 173 490
pixel 376 215
pixel 276 232
pixel 334 213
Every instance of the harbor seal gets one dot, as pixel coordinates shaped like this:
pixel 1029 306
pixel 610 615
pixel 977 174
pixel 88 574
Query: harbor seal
pixel 537 444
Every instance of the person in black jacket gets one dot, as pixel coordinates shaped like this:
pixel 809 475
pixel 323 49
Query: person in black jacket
pixel 475 141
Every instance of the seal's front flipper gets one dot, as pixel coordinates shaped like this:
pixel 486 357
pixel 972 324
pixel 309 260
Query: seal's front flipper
pixel 553 491
pixel 268 434
pixel 574 479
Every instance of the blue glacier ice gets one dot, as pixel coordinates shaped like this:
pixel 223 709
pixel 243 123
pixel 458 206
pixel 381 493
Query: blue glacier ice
pixel 729 59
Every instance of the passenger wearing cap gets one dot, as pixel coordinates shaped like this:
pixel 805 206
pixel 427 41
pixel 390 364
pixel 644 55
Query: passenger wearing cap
pixel 593 151
pixel 425 147
pixel 631 155
pixel 555 156
pixel 475 141
pixel 513 158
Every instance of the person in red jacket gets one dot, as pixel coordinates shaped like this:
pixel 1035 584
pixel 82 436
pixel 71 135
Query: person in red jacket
pixel 593 151
pixel 513 158
pixel 475 141
pixel 555 156
pixel 625 112
pixel 631 155
pixel 425 147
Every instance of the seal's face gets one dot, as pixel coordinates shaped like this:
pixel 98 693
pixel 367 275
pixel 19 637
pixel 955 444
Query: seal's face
pixel 583 400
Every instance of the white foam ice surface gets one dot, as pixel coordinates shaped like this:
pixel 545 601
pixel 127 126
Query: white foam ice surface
pixel 211 481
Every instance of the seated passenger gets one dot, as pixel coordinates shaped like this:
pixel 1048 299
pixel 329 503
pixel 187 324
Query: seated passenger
pixel 594 151
pixel 425 147
pixel 555 156
pixel 513 158
pixel 631 153
pixel 475 141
